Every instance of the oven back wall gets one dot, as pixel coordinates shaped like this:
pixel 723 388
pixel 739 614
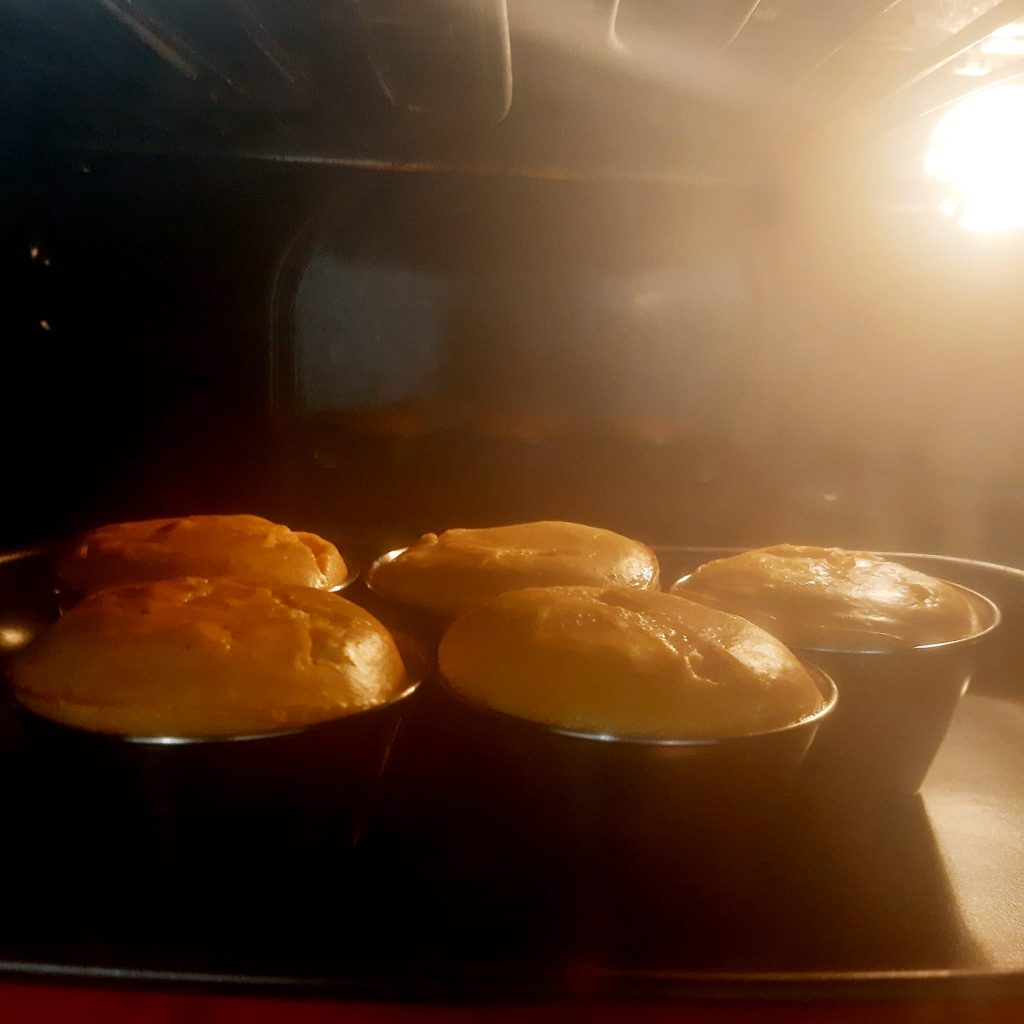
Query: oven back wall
pixel 375 355
pixel 134 311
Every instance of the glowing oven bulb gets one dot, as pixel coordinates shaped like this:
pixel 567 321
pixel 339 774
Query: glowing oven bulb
pixel 977 151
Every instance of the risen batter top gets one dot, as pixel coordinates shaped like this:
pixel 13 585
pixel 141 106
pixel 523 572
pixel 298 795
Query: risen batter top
pixel 625 663
pixel 833 599
pixel 233 545
pixel 193 657
pixel 460 568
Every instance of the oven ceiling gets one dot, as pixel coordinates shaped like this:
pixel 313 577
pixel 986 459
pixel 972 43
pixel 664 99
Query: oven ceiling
pixel 684 89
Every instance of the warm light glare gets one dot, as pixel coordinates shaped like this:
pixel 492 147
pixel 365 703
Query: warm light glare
pixel 12 638
pixel 1015 30
pixel 1002 46
pixel 1007 41
pixel 977 149
pixel 972 70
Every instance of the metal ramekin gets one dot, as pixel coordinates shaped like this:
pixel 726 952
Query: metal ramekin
pixel 557 795
pixel 895 706
pixel 209 832
pixel 424 626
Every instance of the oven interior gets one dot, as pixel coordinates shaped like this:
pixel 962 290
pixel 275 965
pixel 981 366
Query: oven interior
pixel 676 268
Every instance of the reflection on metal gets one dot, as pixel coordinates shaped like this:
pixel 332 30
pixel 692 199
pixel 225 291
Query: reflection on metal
pixel 1007 73
pixel 228 45
pixel 743 22
pixel 442 57
pixel 14 637
pixel 395 83
pixel 158 39
pixel 694 22
pixel 847 32
pixel 964 40
pixel 526 168
pixel 298 89
pixel 610 10
pixel 663 54
pixel 972 68
pixel 1007 41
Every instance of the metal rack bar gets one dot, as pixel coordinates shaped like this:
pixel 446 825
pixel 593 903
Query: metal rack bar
pixel 743 22
pixel 850 30
pixel 160 40
pixel 936 59
pixel 898 104
pixel 1007 73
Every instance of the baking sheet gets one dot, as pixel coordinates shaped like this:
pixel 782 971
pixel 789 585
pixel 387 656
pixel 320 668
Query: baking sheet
pixel 449 897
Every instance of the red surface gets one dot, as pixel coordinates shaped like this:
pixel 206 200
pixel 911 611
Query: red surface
pixel 28 1004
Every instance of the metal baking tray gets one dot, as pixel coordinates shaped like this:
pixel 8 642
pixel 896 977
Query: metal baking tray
pixel 839 896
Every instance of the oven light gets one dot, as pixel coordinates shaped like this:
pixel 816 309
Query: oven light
pixel 13 638
pixel 977 152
